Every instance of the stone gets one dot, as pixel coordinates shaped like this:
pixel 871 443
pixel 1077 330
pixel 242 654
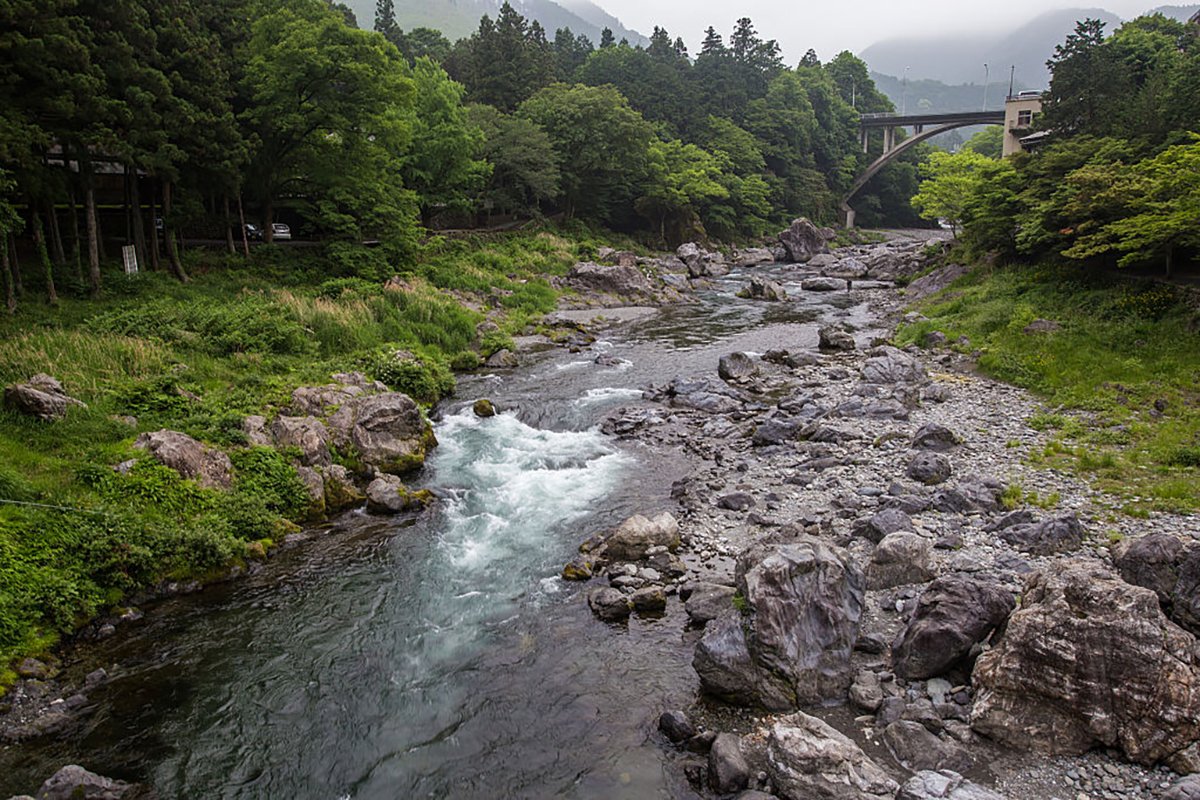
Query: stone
pixel 254 428
pixel 308 434
pixel 1166 566
pixel 1059 535
pixel 802 240
pixel 900 558
pixel 881 523
pixel 578 569
pixel 676 726
pixel 935 437
pixel 387 494
pixel 866 693
pixel 803 603
pixel 1185 789
pixel 73 782
pixel 736 501
pixel 209 467
pixel 314 484
pixel 502 359
pixel 35 669
pixel 915 748
pixel 953 614
pixel 41 396
pixel 929 468
pixel 1089 660
pixel 624 281
pixel 708 601
pixel 340 489
pixel 808 760
pixel 943 785
pixel 609 604
pixel 649 599
pixel 831 337
pixel 737 368
pixel 484 408
pixel 763 289
pixel 728 771
pixel 934 282
pixel 849 268
pixel 638 534
pixel 1042 326
pixel 824 285
pixel 891 366
pixel 386 432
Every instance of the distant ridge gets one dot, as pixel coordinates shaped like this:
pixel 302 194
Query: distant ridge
pixel 459 18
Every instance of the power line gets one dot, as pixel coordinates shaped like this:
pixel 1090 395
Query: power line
pixel 55 508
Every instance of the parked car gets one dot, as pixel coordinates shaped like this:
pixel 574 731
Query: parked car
pixel 281 232
pixel 253 232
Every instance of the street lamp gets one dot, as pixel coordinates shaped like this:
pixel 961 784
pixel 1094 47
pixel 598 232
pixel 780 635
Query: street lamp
pixel 904 94
pixel 985 87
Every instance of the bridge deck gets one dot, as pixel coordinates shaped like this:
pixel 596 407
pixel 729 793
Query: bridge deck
pixel 904 120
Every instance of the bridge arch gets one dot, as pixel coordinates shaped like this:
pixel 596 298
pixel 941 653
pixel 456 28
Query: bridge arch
pixel 925 126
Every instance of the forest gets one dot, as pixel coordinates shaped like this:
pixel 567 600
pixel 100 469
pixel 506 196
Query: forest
pixel 144 122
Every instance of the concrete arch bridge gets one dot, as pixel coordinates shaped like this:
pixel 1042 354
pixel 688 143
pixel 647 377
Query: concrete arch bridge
pixel 923 127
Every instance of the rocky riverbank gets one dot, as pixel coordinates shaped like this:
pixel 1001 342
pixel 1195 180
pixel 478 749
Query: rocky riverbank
pixel 864 530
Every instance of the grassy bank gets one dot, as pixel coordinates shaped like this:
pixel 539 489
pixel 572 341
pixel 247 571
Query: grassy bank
pixel 1120 376
pixel 152 353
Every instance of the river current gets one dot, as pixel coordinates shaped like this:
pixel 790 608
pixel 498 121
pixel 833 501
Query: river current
pixel 441 657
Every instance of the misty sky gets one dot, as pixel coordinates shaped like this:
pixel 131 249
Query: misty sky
pixel 830 27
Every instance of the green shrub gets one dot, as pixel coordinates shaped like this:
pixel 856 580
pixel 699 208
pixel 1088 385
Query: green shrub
pixel 267 475
pixel 348 260
pixel 424 379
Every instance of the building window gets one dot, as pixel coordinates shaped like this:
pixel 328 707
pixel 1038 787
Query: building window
pixel 1024 118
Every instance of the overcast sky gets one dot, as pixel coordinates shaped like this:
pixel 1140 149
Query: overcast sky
pixel 830 27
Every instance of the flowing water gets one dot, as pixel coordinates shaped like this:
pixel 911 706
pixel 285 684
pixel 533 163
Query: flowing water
pixel 441 657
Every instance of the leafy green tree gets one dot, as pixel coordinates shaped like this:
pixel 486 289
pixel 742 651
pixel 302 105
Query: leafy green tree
pixel 602 146
pixel 987 142
pixel 682 181
pixel 607 39
pixel 426 43
pixel 441 165
pixel 524 164
pixel 570 51
pixel 948 182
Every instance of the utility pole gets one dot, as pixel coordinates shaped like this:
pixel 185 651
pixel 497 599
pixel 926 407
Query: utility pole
pixel 1012 74
pixel 985 87
pixel 904 94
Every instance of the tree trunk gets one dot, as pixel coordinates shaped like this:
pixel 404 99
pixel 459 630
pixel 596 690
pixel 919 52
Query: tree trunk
pixel 268 219
pixel 76 241
pixel 15 265
pixel 127 203
pixel 1170 259
pixel 10 292
pixel 39 242
pixel 56 242
pixel 139 222
pixel 93 233
pixel 154 249
pixel 229 227
pixel 242 220
pixel 169 234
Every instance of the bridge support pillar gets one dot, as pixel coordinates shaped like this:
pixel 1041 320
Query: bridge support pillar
pixel 889 139
pixel 865 136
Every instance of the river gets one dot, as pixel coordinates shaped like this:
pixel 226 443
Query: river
pixel 441 657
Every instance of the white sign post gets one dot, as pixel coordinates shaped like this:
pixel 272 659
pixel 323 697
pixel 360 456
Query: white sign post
pixel 129 254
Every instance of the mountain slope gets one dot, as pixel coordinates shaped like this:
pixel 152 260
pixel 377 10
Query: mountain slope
pixel 459 18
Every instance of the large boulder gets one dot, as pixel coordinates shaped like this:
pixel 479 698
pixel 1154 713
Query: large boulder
pixel 900 558
pixel 934 282
pixel 736 368
pixel 623 281
pixel 916 748
pixel 808 760
pixel 73 782
pixel 386 431
pixel 727 768
pixel 824 284
pixel 887 365
pixel 802 240
pixel 953 614
pixel 41 396
pixel 209 467
pixel 1090 660
pixel 833 337
pixel 763 289
pixel 943 785
pixel 638 534
pixel 318 401
pixel 1059 535
pixel 881 523
pixel 792 647
pixel 1166 566
pixel 929 468
pixel 387 494
pixel 306 433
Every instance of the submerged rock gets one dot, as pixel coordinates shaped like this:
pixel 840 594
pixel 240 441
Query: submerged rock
pixel 484 408
pixel 823 284
pixel 1090 660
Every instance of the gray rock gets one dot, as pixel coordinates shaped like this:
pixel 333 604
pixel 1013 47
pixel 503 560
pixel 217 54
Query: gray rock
pixel 830 337
pixel 880 524
pixel 763 289
pixel 935 437
pixel 1059 535
pixel 1089 660
pixel 917 749
pixel 648 599
pixel 866 693
pixel 736 501
pixel 822 260
pixel 387 494
pixel 676 726
pixel 728 771
pixel 737 368
pixel 802 240
pixel 929 468
pixel 1166 566
pixel 308 434
pixel 934 282
pixel 609 604
pixel 1185 789
pixel 254 428
pixel 386 431
pixel 1042 326
pixel 208 466
pixel 502 359
pixel 803 603
pixel 891 366
pixel 944 785
pixel 823 285
pixel 850 268
pixel 808 760
pixel 73 782
pixel 953 614
pixel 754 255
pixel 709 601
pixel 900 558
pixel 41 396
pixel 624 281
pixel 637 535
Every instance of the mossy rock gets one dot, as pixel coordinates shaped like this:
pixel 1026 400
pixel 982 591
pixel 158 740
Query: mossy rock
pixel 484 408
